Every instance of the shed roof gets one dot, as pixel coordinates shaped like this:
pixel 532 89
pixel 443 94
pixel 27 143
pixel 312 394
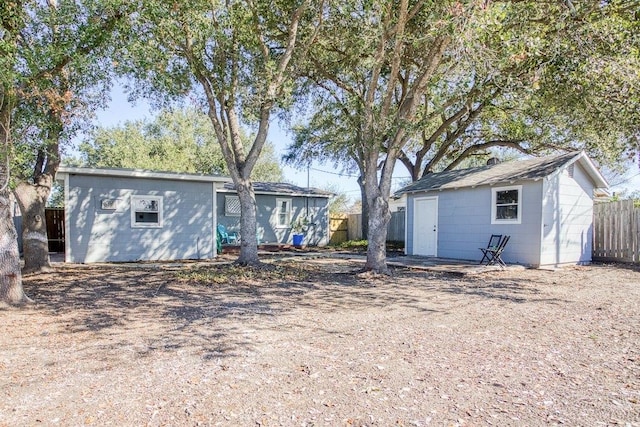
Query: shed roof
pixel 508 172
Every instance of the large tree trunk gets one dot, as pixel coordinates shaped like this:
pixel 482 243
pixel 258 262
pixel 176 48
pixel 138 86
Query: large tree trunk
pixel 32 199
pixel 379 217
pixel 248 227
pixel 11 291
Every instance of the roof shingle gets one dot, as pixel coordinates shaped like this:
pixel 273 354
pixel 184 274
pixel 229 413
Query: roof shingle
pixel 282 188
pixel 507 172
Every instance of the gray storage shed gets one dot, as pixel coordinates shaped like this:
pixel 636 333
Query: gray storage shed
pixel 544 204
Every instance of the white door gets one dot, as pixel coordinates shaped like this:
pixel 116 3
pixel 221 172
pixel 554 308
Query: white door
pixel 425 226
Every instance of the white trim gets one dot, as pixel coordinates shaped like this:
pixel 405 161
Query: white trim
pixel 67 224
pixel 591 170
pixel 437 225
pixel 280 194
pixel 138 173
pixel 135 224
pixel 289 201
pixel 214 219
pixel 406 218
pixel 494 191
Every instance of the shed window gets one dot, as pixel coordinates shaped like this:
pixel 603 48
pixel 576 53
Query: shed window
pixel 506 205
pixel 283 212
pixel 146 211
pixel 231 206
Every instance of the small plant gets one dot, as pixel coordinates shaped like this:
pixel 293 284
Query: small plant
pixel 300 225
pixel 356 245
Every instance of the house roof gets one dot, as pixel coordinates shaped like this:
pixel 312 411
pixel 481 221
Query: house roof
pixel 280 188
pixel 139 173
pixel 506 173
pixel 276 188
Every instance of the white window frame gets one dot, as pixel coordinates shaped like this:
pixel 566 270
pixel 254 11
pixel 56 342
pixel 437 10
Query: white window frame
pixel 494 206
pixel 134 223
pixel 287 223
pixel 227 204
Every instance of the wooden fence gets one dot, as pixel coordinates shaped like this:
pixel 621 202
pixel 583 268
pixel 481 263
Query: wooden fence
pixel 616 232
pixel 355 227
pixel 55 229
pixel 395 230
pixel 338 229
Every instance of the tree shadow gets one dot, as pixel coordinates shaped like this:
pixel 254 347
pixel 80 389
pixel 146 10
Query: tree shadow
pixel 145 310
pixel 510 289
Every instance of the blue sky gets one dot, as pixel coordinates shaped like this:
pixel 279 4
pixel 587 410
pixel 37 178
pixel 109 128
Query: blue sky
pixel 321 176
pixel 120 110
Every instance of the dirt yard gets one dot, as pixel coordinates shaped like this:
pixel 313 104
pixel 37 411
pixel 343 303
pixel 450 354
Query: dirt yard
pixel 310 342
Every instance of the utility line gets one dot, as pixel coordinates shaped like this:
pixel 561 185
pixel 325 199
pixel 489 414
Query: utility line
pixel 625 180
pixel 352 176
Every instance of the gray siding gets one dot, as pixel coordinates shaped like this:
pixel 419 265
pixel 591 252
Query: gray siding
pixel 567 230
pixel 464 224
pixel 268 231
pixel 95 235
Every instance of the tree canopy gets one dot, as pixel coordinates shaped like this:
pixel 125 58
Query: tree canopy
pixel 53 72
pixel 175 140
pixel 430 84
pixel 236 59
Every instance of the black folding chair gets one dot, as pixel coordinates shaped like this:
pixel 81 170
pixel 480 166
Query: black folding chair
pixel 494 256
pixel 494 242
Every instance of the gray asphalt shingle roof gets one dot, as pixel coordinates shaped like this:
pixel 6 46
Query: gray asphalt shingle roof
pixel 282 188
pixel 507 172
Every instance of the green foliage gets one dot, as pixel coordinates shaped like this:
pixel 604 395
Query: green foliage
pixel 233 275
pixel 234 57
pixel 523 76
pixel 359 245
pixel 300 224
pixel 267 168
pixel 60 74
pixel 175 140
pixel 339 203
pixel 56 198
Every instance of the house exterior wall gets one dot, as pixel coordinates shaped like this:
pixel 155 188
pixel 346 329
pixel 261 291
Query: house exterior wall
pixel 464 224
pixel 95 234
pixel 317 233
pixel 567 229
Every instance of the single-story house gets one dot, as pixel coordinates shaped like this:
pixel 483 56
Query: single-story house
pixel 279 205
pixel 134 215
pixel 545 204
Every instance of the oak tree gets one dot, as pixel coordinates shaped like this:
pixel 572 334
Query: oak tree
pixel 430 84
pixel 236 57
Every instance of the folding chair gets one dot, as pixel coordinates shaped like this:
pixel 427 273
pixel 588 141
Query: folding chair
pixel 495 256
pixel 494 241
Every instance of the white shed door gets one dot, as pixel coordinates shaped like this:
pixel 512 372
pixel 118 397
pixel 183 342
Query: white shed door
pixel 425 226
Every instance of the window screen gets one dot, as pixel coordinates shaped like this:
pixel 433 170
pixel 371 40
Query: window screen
pixel 146 211
pixel 283 212
pixel 506 205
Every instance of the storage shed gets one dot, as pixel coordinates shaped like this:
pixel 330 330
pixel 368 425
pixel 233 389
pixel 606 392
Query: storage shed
pixel 545 204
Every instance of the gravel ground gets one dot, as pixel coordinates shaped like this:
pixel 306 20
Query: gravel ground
pixel 312 342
